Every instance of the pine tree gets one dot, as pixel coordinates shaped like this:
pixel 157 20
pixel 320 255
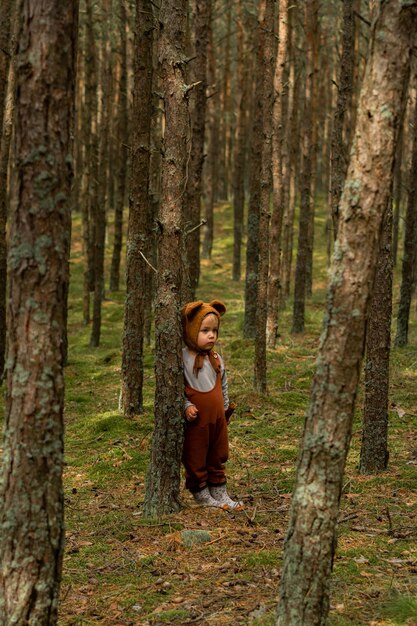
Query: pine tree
pixel 31 493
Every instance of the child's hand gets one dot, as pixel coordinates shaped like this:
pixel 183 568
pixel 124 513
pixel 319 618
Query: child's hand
pixel 229 411
pixel 191 413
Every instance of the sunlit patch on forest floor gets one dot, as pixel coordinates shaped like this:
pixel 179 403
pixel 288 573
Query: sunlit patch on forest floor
pixel 212 567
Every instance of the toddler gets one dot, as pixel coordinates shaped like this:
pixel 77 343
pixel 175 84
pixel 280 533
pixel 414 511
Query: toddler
pixel 207 407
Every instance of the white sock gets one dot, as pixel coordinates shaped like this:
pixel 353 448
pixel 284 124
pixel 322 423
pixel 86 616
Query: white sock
pixel 219 493
pixel 204 498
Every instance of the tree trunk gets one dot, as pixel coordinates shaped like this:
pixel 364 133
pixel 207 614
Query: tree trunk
pixel 4 163
pixel 154 190
pixel 100 196
pixel 325 110
pixel 122 140
pixel 239 157
pixel 398 179
pixel 31 498
pixel 252 245
pixel 339 154
pixel 201 22
pixel 314 45
pixel 360 55
pixel 163 478
pixel 311 539
pixel 222 165
pixel 7 96
pixel 266 21
pixel 78 186
pixel 139 206
pixel 290 161
pixel 374 448
pixel 397 195
pixel 91 156
pixel 304 239
pixel 212 149
pixel 410 246
pixel 6 8
pixel 274 294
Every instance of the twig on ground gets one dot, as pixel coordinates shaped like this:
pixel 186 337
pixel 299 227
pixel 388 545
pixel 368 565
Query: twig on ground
pixel 346 485
pixel 390 529
pixel 65 593
pixel 367 529
pixel 209 543
pixel 404 531
pixel 284 507
pixel 347 518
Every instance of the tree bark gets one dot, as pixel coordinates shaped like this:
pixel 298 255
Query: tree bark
pixel 325 108
pixel 99 198
pixel 311 539
pixel 212 149
pixel 31 496
pixel 397 195
pixel 313 43
pixel 339 154
pixel 290 161
pixel 252 245
pixel 398 177
pixel 91 156
pixel 240 142
pixel 139 207
pixel 201 22
pixel 6 8
pixel 374 448
pixel 7 95
pixel 304 239
pixel 266 24
pixel 410 247
pixel 122 140
pixel 274 294
pixel 223 162
pixel 154 189
pixel 163 478
pixel 6 107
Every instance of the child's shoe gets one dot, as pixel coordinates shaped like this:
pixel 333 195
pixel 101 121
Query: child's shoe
pixel 219 493
pixel 204 498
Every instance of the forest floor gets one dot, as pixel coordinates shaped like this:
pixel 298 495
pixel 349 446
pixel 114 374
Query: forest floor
pixel 212 567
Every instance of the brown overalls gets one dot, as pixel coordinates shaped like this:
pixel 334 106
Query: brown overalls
pixel 206 443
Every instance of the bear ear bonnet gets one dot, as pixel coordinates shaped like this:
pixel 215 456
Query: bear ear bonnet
pixel 189 311
pixel 218 306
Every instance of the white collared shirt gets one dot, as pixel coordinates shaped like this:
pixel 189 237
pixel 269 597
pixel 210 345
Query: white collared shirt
pixel 206 379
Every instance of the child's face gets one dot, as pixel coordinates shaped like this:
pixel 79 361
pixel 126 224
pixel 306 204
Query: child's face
pixel 209 329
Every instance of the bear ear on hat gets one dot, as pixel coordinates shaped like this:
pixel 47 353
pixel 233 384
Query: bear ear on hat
pixel 219 306
pixel 191 309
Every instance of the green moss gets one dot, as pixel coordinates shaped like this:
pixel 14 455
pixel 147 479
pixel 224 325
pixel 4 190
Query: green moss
pixel 262 558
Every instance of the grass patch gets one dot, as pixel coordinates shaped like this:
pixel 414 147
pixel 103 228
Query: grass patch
pixel 401 609
pixel 263 558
